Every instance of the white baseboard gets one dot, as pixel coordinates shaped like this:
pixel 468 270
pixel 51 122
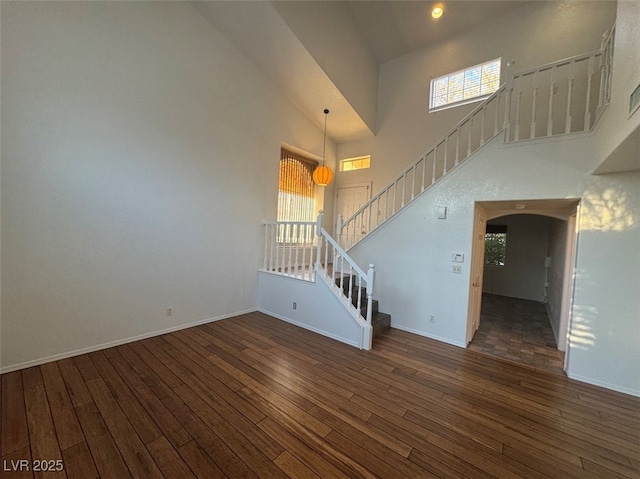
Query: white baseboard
pixel 604 384
pixel 111 344
pixel 430 336
pixel 310 328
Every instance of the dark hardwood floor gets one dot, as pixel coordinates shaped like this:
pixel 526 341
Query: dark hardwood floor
pixel 255 397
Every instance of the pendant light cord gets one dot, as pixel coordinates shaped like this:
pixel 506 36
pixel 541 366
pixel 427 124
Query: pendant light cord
pixel 324 144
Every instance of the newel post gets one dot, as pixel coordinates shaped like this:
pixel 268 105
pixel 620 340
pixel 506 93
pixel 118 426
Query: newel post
pixel 370 275
pixel 339 223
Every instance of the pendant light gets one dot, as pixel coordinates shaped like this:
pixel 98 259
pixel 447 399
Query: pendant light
pixel 323 175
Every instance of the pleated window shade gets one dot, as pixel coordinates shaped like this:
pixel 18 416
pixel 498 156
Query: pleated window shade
pixel 296 191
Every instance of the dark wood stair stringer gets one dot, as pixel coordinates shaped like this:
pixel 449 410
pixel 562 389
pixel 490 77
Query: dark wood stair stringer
pixel 379 321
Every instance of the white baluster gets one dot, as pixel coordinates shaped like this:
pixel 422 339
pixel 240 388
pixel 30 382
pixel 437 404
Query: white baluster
pixel 404 187
pixel 289 246
pixel 457 133
pixel 497 109
pixel 446 154
pixel 326 257
pixel 274 263
pixel 510 78
pixel 305 229
pixel 469 137
pixel 433 166
pixel 587 108
pixel 567 124
pixel 534 102
pixel 297 248
pixel 319 245
pixel 552 92
pixel 482 122
pixel 519 100
pixel 266 245
pixel 395 193
pixel 413 181
pixel 424 169
pixel 386 200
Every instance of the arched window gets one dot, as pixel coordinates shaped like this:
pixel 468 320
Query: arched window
pixel 296 190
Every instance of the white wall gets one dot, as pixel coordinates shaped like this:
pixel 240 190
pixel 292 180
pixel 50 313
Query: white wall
pixel 555 278
pixel 416 281
pixel 318 309
pixel 523 274
pixel 532 35
pixel 140 153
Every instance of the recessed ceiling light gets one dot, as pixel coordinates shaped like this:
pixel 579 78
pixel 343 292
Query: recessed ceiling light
pixel 437 11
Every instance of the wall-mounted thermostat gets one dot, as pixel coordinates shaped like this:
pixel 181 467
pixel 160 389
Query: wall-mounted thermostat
pixel 457 257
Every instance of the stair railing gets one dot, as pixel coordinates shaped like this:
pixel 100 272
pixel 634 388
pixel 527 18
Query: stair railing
pixel 344 268
pixel 289 248
pixel 558 98
pixel 305 250
pixel 481 125
pixel 561 97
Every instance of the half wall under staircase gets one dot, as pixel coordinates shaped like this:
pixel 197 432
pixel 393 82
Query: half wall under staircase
pixel 309 280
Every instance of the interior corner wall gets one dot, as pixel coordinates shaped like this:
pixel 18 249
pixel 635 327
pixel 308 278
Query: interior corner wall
pixel 523 274
pixel 140 153
pixel 532 35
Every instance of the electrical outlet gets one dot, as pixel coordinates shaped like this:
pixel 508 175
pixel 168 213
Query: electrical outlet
pixel 456 269
pixel 432 319
pixel 295 305
pixel 169 311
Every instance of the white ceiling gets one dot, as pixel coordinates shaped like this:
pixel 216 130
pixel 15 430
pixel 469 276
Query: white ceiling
pixel 389 28
pixel 394 28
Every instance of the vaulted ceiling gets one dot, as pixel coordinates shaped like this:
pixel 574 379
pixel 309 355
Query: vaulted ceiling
pixel 326 54
pixel 394 28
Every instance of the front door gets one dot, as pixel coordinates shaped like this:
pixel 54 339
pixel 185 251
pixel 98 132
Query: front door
pixel 349 199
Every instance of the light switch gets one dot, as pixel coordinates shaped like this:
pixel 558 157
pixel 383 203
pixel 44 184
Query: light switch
pixel 457 257
pixel 442 212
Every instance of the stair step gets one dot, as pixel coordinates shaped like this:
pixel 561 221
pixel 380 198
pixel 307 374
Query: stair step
pixel 380 323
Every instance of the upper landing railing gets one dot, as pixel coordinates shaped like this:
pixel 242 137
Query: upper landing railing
pixel 559 98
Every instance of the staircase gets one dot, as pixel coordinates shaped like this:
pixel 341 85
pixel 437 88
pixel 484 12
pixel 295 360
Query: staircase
pixel 560 98
pixel 379 321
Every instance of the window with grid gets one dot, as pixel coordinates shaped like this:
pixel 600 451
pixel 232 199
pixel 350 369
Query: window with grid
pixel 296 190
pixel 495 245
pixel 464 86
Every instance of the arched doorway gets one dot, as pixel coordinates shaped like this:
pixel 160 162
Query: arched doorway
pixel 519 301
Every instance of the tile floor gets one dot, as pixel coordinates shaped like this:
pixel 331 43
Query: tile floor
pixel 517 330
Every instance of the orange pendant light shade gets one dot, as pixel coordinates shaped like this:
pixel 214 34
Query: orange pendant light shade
pixel 322 175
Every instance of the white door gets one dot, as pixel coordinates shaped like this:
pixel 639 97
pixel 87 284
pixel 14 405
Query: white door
pixel 349 199
pixel 477 269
